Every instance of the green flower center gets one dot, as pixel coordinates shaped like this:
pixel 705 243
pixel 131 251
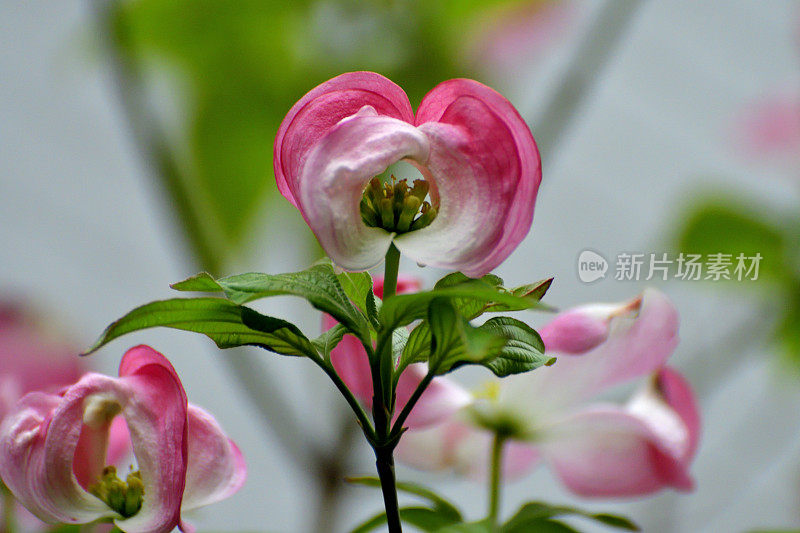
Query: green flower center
pixel 124 497
pixel 490 414
pixel 500 422
pixel 396 207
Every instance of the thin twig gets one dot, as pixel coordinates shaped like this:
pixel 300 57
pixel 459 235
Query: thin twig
pixel 591 56
pixel 494 480
pixel 333 468
pixel 412 401
pixel 363 419
pixel 152 144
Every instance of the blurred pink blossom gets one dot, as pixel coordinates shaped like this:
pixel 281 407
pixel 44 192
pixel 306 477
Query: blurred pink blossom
pixel 522 34
pixel 32 357
pixel 595 447
pixel 770 128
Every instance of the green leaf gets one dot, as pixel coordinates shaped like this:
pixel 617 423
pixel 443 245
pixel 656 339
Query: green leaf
pixel 446 331
pixel 482 526
pixel 319 285
pixel 455 342
pixel 788 330
pixel 357 286
pixel 399 341
pixel 426 519
pixel 227 324
pixel 457 278
pixel 727 226
pixel 202 282
pixel 429 520
pixel 373 305
pixel 468 307
pixel 533 512
pixel 474 308
pixel 540 525
pixel 438 502
pixel 417 348
pixel 523 350
pixel 402 309
pixel 329 340
pixel 371 523
pixel 534 291
pixel 616 521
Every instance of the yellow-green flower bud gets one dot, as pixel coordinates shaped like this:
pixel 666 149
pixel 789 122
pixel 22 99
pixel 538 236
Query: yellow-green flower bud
pixel 134 495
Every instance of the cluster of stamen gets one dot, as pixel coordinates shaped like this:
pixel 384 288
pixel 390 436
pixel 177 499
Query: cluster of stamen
pixel 394 205
pixel 124 497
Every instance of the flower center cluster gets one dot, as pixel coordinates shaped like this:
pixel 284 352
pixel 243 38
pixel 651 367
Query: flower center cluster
pixel 396 207
pixel 489 414
pixel 124 497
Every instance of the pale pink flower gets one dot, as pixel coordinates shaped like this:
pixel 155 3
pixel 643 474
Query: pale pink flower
pixel 183 457
pixel 469 143
pixel 596 448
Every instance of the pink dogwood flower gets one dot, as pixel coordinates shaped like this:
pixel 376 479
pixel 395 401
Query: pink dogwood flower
pixel 478 158
pixel 596 448
pixel 440 400
pixel 184 459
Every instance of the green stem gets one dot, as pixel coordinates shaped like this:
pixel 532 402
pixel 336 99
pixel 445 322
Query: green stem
pixel 383 401
pixel 384 448
pixel 494 481
pixel 8 507
pixel 390 271
pixel 363 419
pixel 412 401
pixel 385 464
pixel 382 363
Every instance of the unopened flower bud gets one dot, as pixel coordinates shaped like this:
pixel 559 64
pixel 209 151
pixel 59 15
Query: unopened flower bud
pixel 409 211
pixel 387 213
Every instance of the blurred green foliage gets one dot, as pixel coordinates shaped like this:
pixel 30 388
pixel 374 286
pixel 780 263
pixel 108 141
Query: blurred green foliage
pixel 440 515
pixel 717 225
pixel 235 69
pixel 734 225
